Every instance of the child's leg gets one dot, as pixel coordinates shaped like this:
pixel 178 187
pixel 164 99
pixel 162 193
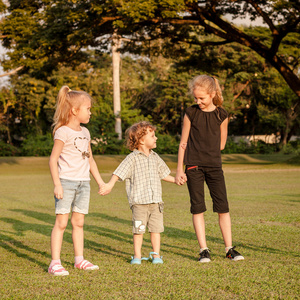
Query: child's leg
pixel 199 226
pixel 137 245
pixel 225 226
pixel 77 221
pixel 155 241
pixel 57 235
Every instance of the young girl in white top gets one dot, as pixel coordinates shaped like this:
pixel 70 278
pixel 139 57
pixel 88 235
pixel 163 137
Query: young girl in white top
pixel 70 163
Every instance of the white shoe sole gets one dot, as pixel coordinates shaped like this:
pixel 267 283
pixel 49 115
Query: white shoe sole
pixel 204 260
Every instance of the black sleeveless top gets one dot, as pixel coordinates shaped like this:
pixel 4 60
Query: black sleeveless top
pixel 203 146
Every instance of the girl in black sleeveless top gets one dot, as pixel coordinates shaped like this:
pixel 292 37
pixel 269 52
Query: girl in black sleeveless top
pixel 204 135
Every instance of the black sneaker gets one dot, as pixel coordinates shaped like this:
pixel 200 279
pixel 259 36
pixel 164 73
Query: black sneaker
pixel 204 256
pixel 234 255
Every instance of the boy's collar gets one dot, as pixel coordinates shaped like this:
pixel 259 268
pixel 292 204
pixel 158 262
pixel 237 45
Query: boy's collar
pixel 136 151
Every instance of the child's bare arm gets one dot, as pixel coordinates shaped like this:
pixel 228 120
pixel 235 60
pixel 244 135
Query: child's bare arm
pixel 106 188
pixel 180 177
pixel 224 132
pixel 56 151
pixel 169 178
pixel 94 170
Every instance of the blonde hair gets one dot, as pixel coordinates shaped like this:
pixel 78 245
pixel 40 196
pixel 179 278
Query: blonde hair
pixel 66 100
pixel 210 84
pixel 135 132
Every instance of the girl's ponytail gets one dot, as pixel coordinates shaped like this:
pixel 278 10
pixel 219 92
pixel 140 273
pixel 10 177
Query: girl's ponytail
pixel 63 107
pixel 218 99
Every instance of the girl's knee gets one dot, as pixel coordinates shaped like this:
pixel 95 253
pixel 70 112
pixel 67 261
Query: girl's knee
pixel 61 222
pixel 224 215
pixel 60 226
pixel 77 221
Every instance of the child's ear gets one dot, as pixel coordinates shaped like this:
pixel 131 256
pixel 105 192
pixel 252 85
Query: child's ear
pixel 213 94
pixel 74 111
pixel 141 141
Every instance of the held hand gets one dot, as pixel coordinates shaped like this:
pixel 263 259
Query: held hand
pixel 100 185
pixel 105 189
pixel 180 178
pixel 58 192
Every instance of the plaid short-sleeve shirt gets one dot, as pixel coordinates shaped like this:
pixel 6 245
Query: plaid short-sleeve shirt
pixel 142 175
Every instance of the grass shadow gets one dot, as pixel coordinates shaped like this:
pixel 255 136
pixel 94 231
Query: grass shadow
pixel 9 160
pixel 20 227
pixel 47 218
pixel 14 246
pixel 170 232
pixel 266 250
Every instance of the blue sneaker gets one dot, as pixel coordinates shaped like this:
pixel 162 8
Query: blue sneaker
pixel 156 260
pixel 136 261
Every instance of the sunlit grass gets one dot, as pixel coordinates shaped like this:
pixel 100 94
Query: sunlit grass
pixel 265 210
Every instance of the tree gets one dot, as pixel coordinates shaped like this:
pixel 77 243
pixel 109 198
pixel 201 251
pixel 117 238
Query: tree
pixel 171 19
pixel 27 105
pixel 43 34
pixel 116 84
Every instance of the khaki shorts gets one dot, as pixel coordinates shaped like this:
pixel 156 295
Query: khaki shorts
pixel 147 215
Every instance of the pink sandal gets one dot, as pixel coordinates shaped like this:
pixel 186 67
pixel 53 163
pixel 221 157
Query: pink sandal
pixel 58 270
pixel 86 265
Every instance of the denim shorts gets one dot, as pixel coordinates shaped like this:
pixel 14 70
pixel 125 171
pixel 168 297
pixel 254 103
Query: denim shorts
pixel 147 215
pixel 76 195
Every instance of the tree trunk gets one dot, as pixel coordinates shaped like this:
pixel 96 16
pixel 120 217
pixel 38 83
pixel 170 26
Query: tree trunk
pixel 116 86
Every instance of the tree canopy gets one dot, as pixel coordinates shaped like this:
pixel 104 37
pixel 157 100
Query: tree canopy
pixel 43 34
pixel 52 42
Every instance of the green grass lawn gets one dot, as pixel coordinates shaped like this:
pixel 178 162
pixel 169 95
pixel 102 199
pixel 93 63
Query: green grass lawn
pixel 264 195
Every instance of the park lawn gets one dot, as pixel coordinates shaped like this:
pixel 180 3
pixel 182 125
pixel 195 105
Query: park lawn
pixel 264 195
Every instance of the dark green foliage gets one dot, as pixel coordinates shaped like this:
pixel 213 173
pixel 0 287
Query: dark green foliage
pixel 153 88
pixel 167 144
pixel 156 91
pixel 8 150
pixel 37 145
pixel 110 145
pixel 242 146
pixel 292 147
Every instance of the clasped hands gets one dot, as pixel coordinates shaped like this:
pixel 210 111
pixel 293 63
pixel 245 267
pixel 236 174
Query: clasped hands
pixel 180 178
pixel 104 189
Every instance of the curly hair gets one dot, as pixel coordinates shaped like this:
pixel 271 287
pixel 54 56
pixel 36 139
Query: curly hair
pixel 135 132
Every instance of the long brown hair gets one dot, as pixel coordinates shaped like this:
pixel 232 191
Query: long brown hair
pixel 210 84
pixel 66 100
